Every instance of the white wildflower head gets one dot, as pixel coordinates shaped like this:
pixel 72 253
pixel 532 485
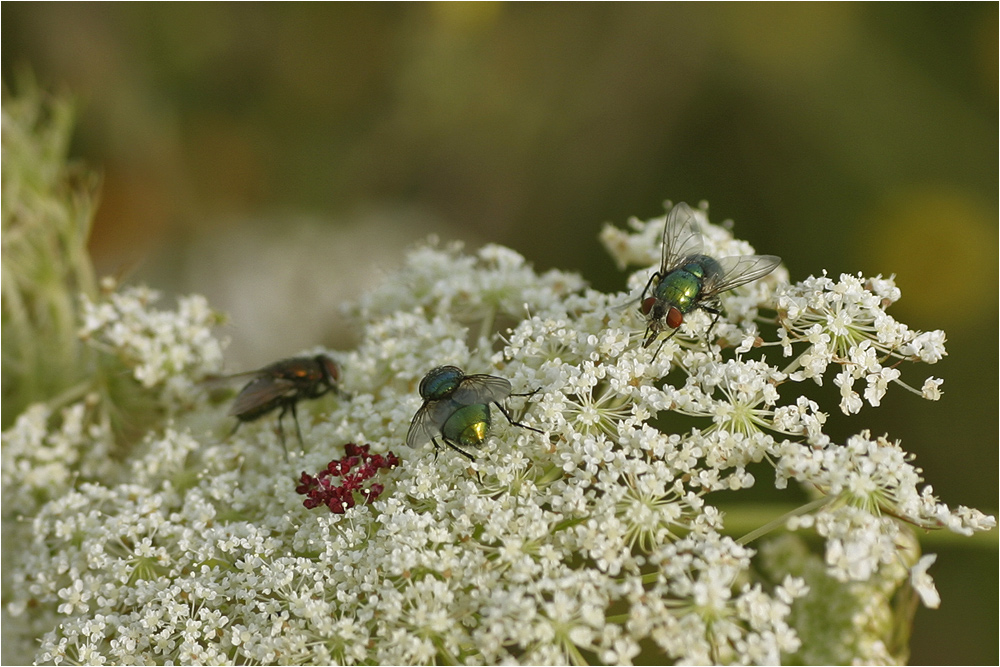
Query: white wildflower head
pixel 595 535
pixel 162 348
pixel 844 323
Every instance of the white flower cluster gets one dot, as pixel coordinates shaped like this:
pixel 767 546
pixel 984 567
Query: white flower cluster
pixel 161 347
pixel 591 542
pixel 48 448
pixel 872 489
pixel 845 323
pixel 41 461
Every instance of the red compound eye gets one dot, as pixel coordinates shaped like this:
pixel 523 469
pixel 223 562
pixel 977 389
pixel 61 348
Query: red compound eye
pixel 647 305
pixel 331 368
pixel 674 318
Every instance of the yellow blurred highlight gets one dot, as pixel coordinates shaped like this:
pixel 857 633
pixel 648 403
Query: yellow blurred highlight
pixel 464 16
pixel 942 246
pixel 788 37
pixel 986 42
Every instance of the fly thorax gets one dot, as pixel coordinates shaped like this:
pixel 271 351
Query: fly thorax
pixel 680 289
pixel 468 425
pixel 708 268
pixel 441 382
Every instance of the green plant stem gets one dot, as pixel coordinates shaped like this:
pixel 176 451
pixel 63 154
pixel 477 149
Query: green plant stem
pixel 748 522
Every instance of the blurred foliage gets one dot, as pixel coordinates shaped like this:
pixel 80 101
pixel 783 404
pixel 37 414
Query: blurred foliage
pixel 47 208
pixel 238 139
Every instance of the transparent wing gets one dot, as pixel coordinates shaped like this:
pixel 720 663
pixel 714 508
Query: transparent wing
pixel 738 270
pixel 681 238
pixel 260 391
pixel 481 389
pixel 427 422
pixel 216 381
pixel 299 369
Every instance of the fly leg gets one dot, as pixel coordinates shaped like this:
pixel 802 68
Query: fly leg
pixel 715 309
pixel 642 297
pixel 295 418
pixel 511 419
pixel 452 445
pixel 281 429
pixel 528 393
pixel 459 450
pixel 668 337
pixel 650 335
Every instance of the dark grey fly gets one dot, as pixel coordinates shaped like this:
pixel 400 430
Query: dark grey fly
pixel 282 385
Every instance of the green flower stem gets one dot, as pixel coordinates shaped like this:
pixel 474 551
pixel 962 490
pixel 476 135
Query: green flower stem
pixel 757 514
pixel 748 522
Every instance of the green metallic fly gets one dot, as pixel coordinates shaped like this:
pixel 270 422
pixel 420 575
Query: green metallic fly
pixel 689 279
pixel 457 408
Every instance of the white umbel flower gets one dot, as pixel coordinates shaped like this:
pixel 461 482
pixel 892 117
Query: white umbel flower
pixel 597 536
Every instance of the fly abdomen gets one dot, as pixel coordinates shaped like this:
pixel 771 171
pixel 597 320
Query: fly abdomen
pixel 468 425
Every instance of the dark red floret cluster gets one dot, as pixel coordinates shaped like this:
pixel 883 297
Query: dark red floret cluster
pixel 355 470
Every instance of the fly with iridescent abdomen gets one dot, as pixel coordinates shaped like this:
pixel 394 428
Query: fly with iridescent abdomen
pixel 689 279
pixel 456 408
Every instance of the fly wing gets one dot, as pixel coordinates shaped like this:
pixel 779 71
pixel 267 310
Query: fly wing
pixel 738 270
pixel 260 391
pixel 305 370
pixel 481 389
pixel 681 238
pixel 427 422
pixel 215 381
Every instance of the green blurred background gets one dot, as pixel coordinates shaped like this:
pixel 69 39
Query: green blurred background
pixel 280 158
